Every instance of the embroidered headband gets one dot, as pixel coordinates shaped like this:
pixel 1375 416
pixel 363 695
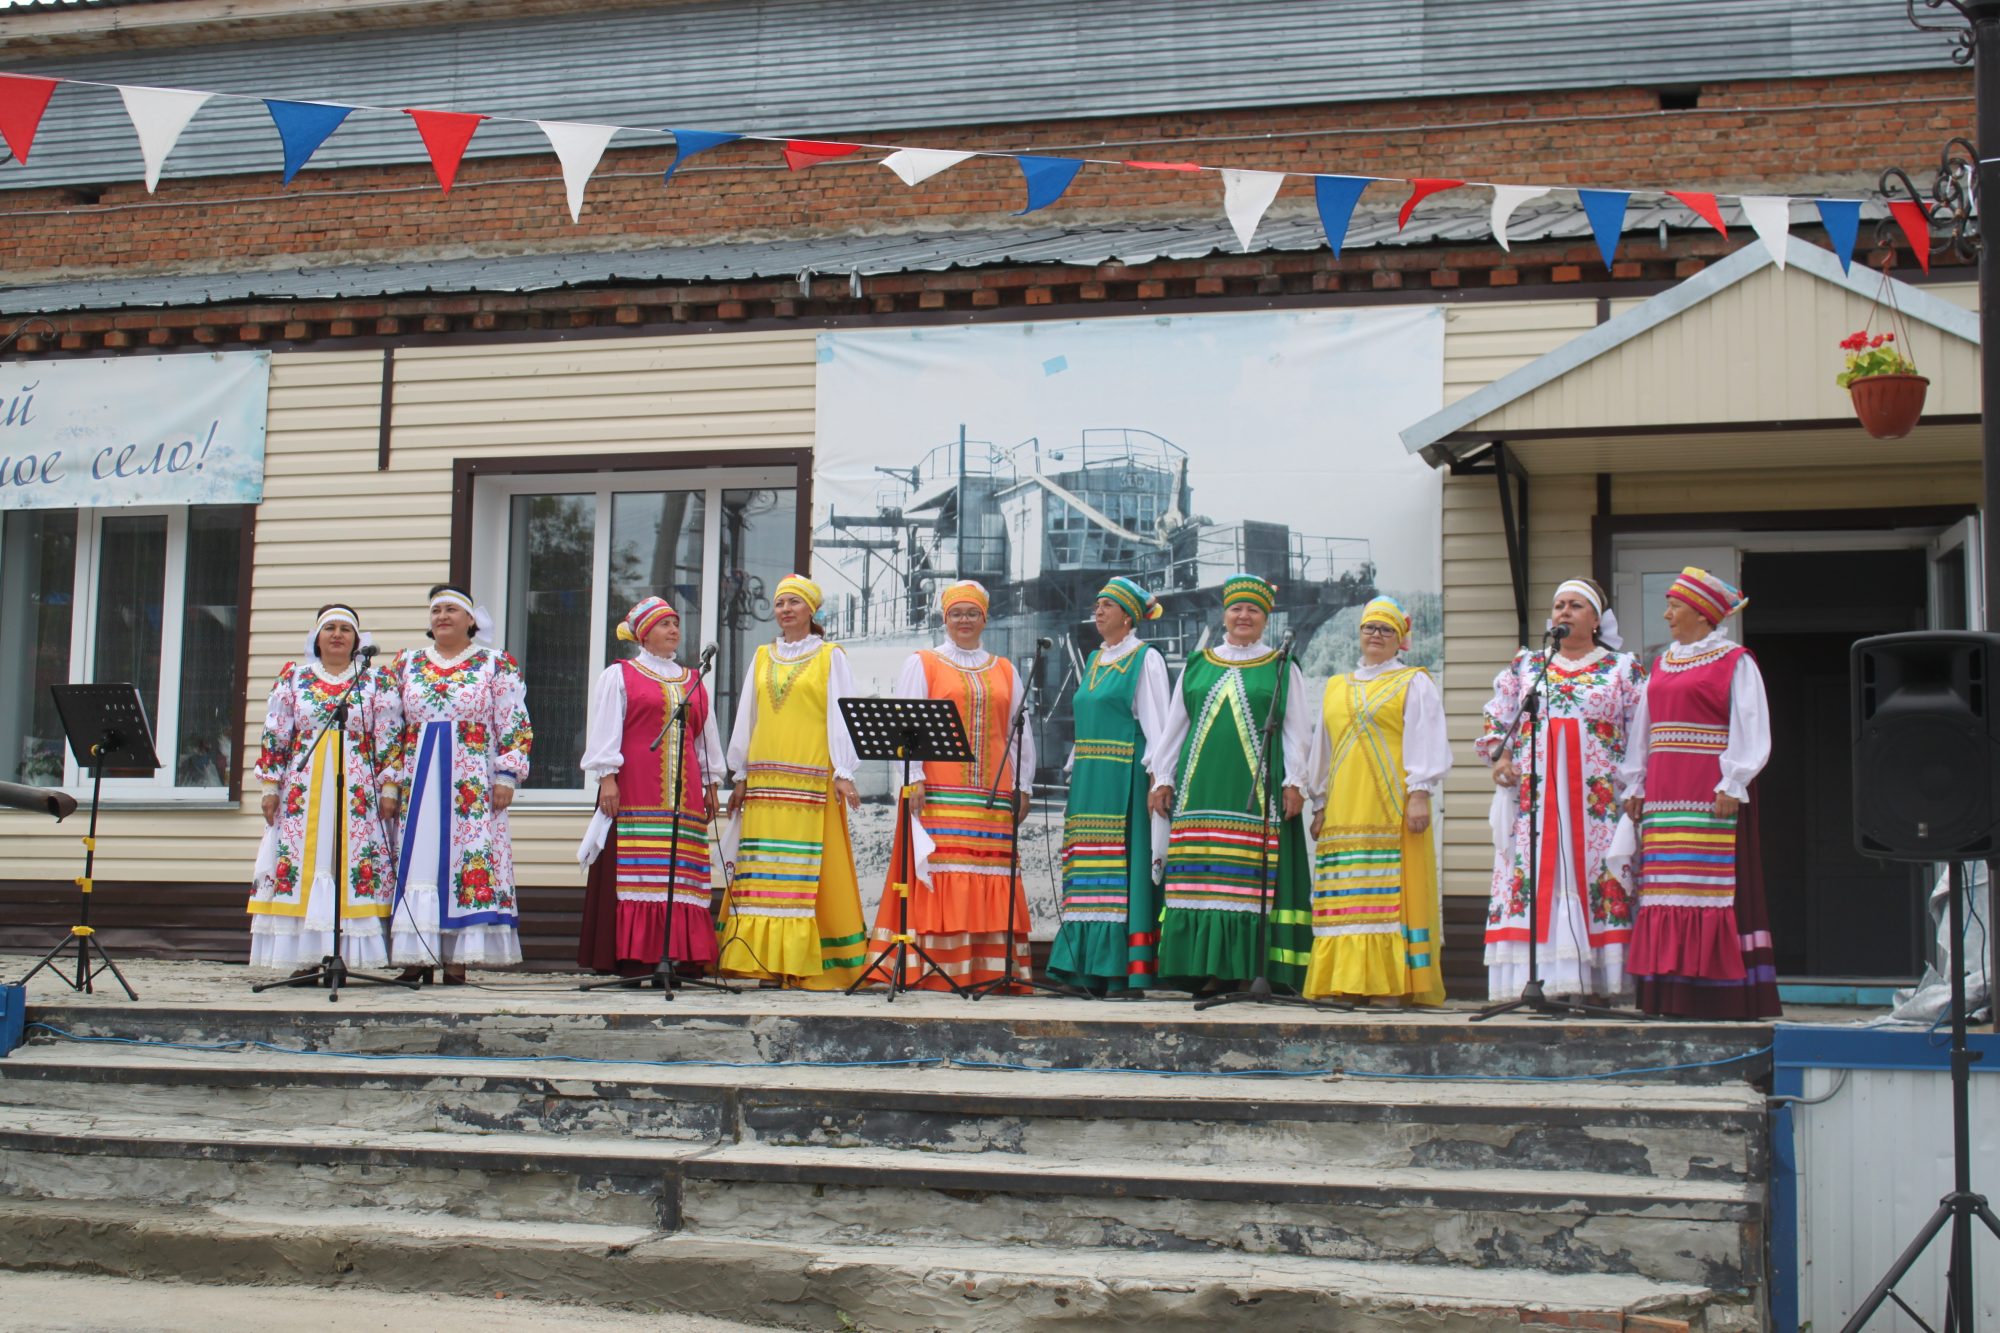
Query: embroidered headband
pixel 336 615
pixel 1607 619
pixel 482 619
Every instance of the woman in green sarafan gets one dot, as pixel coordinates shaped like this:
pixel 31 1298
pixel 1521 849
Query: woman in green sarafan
pixel 1110 932
pixel 1219 864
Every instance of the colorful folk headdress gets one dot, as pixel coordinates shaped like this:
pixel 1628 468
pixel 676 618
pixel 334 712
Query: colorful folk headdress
pixel 641 619
pixel 1249 588
pixel 1607 619
pixel 1713 599
pixel 1130 598
pixel 965 590
pixel 1388 611
pixel 802 587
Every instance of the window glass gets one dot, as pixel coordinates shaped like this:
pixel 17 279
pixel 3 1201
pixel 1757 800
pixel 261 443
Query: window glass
pixel 759 536
pixel 203 752
pixel 550 542
pixel 37 596
pixel 656 548
pixel 131 605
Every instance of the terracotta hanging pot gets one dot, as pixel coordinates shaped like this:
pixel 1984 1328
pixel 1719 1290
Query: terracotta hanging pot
pixel 1888 405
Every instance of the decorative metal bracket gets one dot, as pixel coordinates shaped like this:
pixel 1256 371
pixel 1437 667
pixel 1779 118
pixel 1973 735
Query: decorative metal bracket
pixel 1963 39
pixel 25 325
pixel 1953 205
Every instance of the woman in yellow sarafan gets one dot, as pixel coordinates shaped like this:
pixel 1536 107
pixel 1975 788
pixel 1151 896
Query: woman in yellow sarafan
pixel 1379 754
pixel 793 914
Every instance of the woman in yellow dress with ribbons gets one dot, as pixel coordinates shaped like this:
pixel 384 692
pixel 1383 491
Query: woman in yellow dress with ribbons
pixel 793 914
pixel 1379 756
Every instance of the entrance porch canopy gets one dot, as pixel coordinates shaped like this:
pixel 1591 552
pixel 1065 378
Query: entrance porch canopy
pixel 1732 369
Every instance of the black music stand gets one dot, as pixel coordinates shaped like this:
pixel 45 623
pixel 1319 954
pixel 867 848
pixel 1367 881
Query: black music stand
pixel 107 728
pixel 911 730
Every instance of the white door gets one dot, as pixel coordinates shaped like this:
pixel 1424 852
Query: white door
pixel 1640 577
pixel 1957 600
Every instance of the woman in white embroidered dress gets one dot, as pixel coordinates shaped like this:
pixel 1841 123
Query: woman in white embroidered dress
pixel 464 748
pixel 1584 907
pixel 298 883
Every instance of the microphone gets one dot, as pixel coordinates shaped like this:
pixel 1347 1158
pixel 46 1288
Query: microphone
pixel 1559 632
pixel 1044 643
pixel 366 653
pixel 707 658
pixel 1286 641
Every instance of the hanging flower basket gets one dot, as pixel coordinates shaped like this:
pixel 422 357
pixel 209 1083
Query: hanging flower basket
pixel 1888 405
pixel 1882 383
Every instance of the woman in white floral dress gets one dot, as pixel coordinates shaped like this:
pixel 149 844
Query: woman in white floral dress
pixel 464 748
pixel 1584 908
pixel 298 882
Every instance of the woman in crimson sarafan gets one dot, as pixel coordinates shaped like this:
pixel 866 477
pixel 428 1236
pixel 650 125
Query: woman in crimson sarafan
pixel 1701 943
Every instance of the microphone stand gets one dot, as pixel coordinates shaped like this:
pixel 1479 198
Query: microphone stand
pixel 1260 990
pixel 1031 697
pixel 332 970
pixel 663 975
pixel 1532 996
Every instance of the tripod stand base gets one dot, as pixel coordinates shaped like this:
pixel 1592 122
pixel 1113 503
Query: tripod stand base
pixel 1006 985
pixel 85 940
pixel 1533 999
pixel 333 973
pixel 1260 991
pixel 901 947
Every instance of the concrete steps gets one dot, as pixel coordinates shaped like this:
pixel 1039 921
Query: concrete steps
pixel 842 1172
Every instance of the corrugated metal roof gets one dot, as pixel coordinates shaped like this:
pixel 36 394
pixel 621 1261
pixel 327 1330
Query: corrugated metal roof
pixel 845 67
pixel 830 259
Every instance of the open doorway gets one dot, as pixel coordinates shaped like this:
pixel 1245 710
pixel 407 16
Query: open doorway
pixel 1835 915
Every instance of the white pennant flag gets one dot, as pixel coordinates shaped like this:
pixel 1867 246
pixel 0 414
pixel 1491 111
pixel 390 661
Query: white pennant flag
pixel 1507 198
pixel 916 165
pixel 1245 196
pixel 578 147
pixel 1770 216
pixel 159 115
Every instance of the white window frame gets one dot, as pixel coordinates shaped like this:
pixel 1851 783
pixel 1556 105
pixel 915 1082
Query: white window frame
pixel 159 788
pixel 492 538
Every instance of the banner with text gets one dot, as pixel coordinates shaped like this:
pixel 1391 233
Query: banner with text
pixel 140 430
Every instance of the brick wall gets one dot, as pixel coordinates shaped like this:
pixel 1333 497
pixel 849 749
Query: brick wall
pixel 1772 136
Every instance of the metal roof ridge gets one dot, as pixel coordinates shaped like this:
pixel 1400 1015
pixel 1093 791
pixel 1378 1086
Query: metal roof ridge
pixel 1657 310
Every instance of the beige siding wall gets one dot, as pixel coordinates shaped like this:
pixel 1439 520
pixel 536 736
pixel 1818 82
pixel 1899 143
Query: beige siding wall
pixel 1486 340
pixel 325 501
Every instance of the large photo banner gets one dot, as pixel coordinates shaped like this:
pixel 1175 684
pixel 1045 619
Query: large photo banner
pixel 137 430
pixel 1042 458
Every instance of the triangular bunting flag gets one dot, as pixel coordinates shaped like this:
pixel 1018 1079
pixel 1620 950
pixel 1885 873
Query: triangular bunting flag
pixel 689 142
pixel 23 99
pixel 578 147
pixel 802 153
pixel 159 115
pixel 1420 190
pixel 446 133
pixel 1245 196
pixel 916 165
pixel 1336 197
pixel 1606 211
pixel 1047 178
pixel 1770 217
pixel 1842 220
pixel 304 126
pixel 1915 220
pixel 1703 206
pixel 1507 198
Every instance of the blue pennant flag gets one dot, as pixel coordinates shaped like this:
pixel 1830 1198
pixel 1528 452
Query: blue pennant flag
pixel 1843 221
pixel 1606 209
pixel 689 142
pixel 1336 196
pixel 1047 178
pixel 303 126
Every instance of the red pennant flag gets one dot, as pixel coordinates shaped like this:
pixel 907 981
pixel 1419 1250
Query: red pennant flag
pixel 446 133
pixel 802 153
pixel 1704 207
pixel 1915 220
pixel 1166 166
pixel 1421 190
pixel 23 99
